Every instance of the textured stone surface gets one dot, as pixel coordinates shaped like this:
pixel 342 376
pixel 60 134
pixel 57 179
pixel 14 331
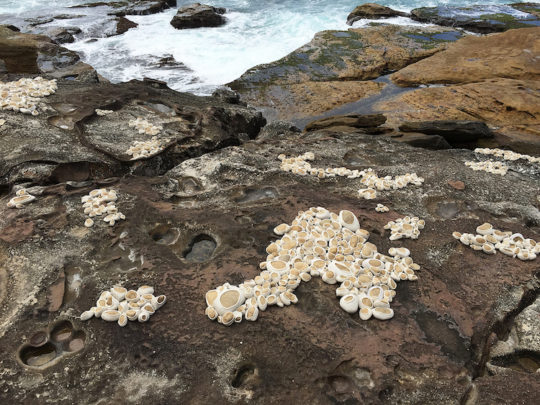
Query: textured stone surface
pixel 428 353
pixel 455 132
pixel 334 68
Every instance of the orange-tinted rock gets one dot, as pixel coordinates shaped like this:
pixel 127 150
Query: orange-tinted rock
pixel 457 184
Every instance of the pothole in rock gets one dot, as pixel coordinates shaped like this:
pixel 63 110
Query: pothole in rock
pixel 245 376
pixel 159 107
pixel 46 348
pixel 72 285
pixel 523 361
pixel 200 249
pixel 163 234
pixel 188 186
pixel 256 194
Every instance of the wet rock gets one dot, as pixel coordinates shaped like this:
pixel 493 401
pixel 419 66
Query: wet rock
pixel 62 35
pixel 481 19
pixel 123 25
pixel 351 120
pixel 227 96
pixel 28 53
pixel 455 132
pixel 334 68
pixel 132 7
pixel 373 11
pixel 198 15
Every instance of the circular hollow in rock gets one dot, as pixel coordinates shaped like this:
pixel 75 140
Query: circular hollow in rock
pixel 62 331
pixel 38 339
pixel 200 249
pixel 77 343
pixel 38 356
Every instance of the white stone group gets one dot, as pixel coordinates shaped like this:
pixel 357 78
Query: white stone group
pixel 22 197
pixel 145 127
pixel 406 227
pixel 300 165
pixel 24 94
pixel 381 208
pixel 489 166
pixel 142 149
pixel 101 202
pixel 507 154
pixel 489 240
pixel 318 243
pixel 121 305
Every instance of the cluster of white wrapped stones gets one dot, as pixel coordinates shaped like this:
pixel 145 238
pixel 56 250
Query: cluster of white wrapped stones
pixel 101 202
pixel 142 149
pixel 102 113
pixel 24 94
pixel 406 227
pixel 381 208
pixel 300 165
pixel 318 243
pixel 489 166
pixel 22 197
pixel 145 127
pixel 489 240
pixel 121 305
pixel 507 154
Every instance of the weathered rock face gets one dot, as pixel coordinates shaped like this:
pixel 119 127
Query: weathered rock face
pixel 123 25
pixel 372 11
pixel 73 143
pixel 494 79
pixel 27 53
pixel 432 351
pixel 512 55
pixel 334 67
pixel 351 120
pixel 482 19
pixel 455 132
pixel 198 15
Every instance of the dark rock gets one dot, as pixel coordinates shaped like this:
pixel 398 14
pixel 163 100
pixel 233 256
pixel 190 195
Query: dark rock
pixel 350 120
pixel 62 35
pixel 433 142
pixel 123 24
pixel 198 15
pixel 67 16
pixel 481 19
pixel 227 95
pixel 135 7
pixel 455 132
pixel 373 11
pixel 39 21
pixel 276 130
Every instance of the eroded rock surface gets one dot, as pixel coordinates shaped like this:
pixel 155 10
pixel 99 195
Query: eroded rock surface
pixel 372 11
pixel 432 351
pixel 198 15
pixel 335 68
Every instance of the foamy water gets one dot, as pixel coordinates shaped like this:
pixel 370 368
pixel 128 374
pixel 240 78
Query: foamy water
pixel 256 32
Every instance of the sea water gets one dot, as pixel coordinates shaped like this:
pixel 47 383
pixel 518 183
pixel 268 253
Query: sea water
pixel 257 31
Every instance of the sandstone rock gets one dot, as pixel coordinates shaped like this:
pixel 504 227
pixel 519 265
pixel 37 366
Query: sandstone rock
pixel 455 132
pixel 372 11
pixel 482 19
pixel 457 184
pixel 351 120
pixel 334 67
pixel 429 352
pixel 510 106
pixel 198 15
pixel 512 54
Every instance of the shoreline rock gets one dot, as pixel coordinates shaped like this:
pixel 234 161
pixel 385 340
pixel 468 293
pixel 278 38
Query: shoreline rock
pixel 373 11
pixel 198 15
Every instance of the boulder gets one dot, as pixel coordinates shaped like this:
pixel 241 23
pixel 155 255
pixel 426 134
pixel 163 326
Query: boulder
pixel 455 132
pixel 418 140
pixel 350 120
pixel 335 68
pixel 481 19
pixel 373 11
pixel 123 25
pixel 62 35
pixel 198 15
